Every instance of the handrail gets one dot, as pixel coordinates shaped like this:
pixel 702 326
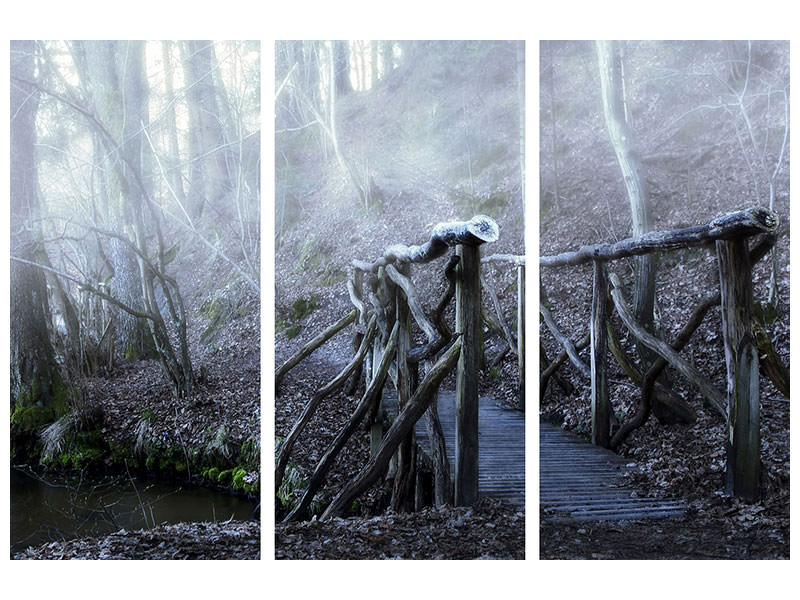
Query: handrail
pixel 743 223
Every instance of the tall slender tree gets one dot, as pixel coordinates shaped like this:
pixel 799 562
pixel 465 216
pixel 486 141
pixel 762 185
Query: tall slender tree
pixel 610 63
pixel 209 178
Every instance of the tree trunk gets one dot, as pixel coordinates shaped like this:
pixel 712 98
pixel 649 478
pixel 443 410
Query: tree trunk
pixel 209 179
pixel 35 378
pixel 610 63
pixel 341 58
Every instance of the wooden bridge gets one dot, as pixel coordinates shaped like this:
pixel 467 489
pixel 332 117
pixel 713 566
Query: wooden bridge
pixel 501 443
pixel 580 481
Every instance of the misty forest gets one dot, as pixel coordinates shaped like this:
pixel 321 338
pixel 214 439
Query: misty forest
pixel 135 338
pixel 664 299
pixel 399 299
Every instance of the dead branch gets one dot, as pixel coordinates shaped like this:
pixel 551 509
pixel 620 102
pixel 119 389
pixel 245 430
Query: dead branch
pixel 312 345
pixel 663 349
pixel 367 401
pixel 311 407
pixel 397 432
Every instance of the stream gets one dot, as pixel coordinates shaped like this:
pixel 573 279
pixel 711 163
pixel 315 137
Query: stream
pixel 56 508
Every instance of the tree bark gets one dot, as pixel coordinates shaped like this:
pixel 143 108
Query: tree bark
pixel 601 407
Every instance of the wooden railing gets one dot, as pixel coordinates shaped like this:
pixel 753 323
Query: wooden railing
pixel 385 304
pixel 730 235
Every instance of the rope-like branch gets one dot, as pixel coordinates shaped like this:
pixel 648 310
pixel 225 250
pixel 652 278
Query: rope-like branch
pixel 565 342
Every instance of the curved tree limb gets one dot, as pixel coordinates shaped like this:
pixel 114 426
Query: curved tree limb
pixel 397 432
pixel 664 350
pixel 565 342
pixel 300 511
pixel 478 230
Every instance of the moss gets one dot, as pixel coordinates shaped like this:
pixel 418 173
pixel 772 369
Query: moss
pixel 250 453
pixel 30 418
pixel 224 476
pixel 310 256
pixel 238 478
pixel 301 308
pixel 213 474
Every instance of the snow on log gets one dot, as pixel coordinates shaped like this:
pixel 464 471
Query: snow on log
pixel 480 229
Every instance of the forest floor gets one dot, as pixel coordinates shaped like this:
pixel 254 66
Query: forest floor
pixel 139 413
pixel 224 540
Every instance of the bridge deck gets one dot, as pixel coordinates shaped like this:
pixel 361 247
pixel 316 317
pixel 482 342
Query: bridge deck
pixel 501 445
pixel 580 481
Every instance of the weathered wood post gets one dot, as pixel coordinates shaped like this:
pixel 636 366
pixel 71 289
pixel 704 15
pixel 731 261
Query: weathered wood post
pixel 743 443
pixel 468 324
pixel 402 495
pixel 601 410
pixel 521 332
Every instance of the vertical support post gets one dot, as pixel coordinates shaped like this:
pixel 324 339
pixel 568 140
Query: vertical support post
pixel 601 409
pixel 521 332
pixel 741 358
pixel 403 493
pixel 468 323
pixel 376 427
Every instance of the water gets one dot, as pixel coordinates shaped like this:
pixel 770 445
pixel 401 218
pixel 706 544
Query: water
pixel 50 509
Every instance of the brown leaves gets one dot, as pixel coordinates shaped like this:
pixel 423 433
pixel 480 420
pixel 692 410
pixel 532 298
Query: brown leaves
pixel 185 541
pixel 488 530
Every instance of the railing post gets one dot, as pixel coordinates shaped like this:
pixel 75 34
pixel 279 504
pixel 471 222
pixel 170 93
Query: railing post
pixel 743 443
pixel 403 494
pixel 521 332
pixel 468 323
pixel 601 410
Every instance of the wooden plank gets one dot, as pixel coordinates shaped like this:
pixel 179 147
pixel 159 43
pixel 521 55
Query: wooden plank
pixel 502 441
pixel 579 481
